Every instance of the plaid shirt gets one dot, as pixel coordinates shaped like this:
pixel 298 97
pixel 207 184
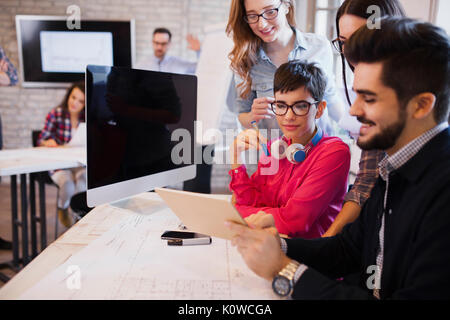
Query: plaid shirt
pixel 58 126
pixel 388 165
pixel 11 71
pixel 366 177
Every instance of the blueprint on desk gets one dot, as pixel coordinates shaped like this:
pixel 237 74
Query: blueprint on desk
pixel 130 261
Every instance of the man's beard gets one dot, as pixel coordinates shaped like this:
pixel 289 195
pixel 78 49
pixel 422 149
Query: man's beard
pixel 388 136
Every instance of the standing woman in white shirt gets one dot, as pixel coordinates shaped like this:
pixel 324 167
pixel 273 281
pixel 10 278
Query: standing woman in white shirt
pixel 265 37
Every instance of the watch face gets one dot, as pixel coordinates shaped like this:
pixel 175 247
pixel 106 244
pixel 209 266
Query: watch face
pixel 281 285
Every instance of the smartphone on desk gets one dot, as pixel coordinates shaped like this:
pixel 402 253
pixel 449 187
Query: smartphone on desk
pixel 183 238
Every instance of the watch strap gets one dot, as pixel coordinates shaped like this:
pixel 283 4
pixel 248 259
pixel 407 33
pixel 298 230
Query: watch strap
pixel 300 270
pixel 289 270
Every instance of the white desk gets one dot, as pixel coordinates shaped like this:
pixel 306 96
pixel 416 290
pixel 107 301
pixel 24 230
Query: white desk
pixel 25 162
pixel 119 255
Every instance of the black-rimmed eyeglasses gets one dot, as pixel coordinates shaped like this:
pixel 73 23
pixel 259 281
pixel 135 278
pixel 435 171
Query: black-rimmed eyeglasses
pixel 338 44
pixel 268 15
pixel 300 108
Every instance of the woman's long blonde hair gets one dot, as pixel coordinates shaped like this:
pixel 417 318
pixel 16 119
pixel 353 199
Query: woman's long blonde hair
pixel 246 44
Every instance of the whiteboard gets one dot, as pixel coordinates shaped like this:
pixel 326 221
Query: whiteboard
pixel 72 51
pixel 214 78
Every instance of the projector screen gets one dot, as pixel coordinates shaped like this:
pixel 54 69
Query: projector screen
pixel 52 55
pixel 63 51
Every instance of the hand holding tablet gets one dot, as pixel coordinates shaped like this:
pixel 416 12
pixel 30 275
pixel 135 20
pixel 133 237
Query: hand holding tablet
pixel 203 213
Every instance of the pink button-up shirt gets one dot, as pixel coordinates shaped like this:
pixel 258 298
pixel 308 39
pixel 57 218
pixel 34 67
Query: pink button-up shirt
pixel 303 198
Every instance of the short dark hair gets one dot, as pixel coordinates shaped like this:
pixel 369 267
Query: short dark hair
pixel 163 30
pixel 415 57
pixel 296 74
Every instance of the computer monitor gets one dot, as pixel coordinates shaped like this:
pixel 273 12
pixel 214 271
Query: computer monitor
pixel 53 55
pixel 140 131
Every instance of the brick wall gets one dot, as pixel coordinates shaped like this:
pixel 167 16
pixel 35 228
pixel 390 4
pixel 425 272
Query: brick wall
pixel 24 109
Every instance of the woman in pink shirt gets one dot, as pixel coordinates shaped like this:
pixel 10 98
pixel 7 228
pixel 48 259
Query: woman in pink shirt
pixel 302 186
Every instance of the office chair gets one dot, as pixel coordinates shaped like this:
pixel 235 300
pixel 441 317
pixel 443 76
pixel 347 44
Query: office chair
pixel 46 179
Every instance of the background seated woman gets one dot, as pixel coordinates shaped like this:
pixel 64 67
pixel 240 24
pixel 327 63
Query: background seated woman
pixel 60 126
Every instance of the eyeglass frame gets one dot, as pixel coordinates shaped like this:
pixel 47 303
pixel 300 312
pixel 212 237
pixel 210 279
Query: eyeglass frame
pixel 262 15
pixel 338 45
pixel 272 106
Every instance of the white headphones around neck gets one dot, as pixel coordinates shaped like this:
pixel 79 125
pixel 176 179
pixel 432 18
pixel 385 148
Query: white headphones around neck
pixel 295 152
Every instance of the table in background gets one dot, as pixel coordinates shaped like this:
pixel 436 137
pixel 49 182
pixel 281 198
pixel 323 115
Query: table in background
pixel 28 162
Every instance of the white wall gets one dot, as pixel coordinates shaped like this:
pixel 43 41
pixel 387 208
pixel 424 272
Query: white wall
pixel 443 15
pixel 435 11
pixel 418 9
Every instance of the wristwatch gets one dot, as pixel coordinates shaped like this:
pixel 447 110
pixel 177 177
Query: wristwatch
pixel 283 283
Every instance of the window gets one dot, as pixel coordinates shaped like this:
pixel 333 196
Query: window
pixel 319 16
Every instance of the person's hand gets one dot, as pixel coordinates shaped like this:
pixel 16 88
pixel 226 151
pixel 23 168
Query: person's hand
pixel 49 143
pixel 3 65
pixel 331 232
pixel 260 249
pixel 4 78
pixel 247 139
pixel 260 220
pixel 193 42
pixel 261 108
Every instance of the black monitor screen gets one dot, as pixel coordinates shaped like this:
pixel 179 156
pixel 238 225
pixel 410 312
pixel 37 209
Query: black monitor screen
pixel 138 123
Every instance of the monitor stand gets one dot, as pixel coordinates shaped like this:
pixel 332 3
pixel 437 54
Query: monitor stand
pixel 139 205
